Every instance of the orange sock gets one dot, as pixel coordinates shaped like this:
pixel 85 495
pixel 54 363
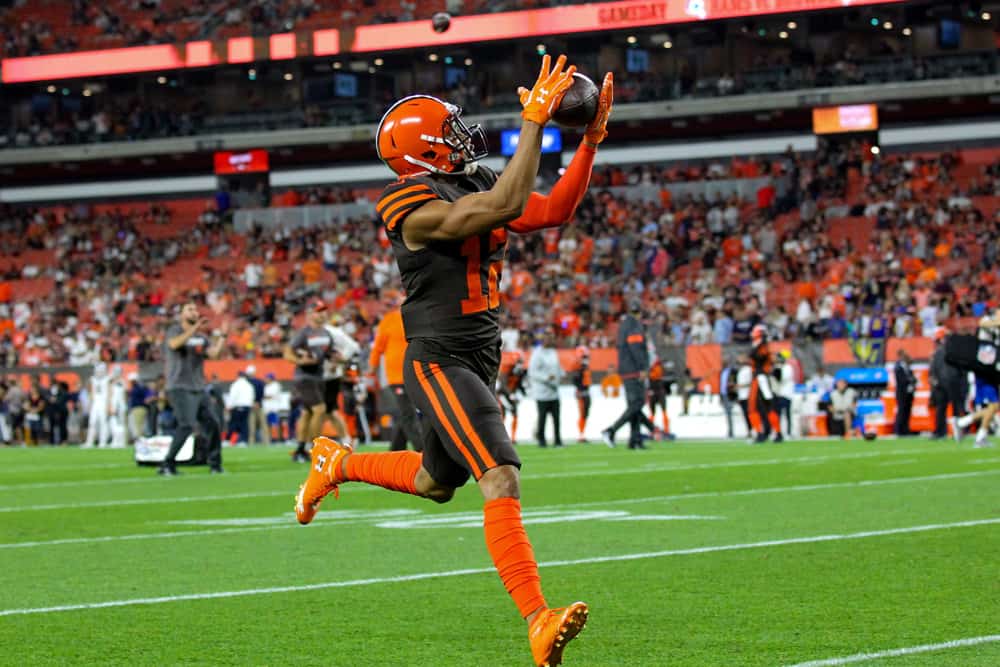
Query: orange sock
pixel 512 554
pixel 581 423
pixel 513 428
pixel 396 471
pixel 666 421
pixel 772 417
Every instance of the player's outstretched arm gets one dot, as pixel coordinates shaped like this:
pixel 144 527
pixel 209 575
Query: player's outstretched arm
pixel 483 211
pixel 560 205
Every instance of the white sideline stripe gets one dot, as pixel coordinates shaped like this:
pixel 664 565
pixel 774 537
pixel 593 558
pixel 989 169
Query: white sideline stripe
pixel 785 489
pixel 484 570
pixel 555 475
pixel 150 478
pixel 147 501
pixel 670 467
pixel 896 652
pixel 599 503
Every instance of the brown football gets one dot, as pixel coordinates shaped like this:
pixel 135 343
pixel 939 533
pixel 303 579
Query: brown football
pixel 579 105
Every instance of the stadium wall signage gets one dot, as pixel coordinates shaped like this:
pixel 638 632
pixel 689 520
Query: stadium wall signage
pixel 398 36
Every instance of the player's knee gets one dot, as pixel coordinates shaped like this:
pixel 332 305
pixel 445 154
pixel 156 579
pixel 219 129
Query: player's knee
pixel 440 494
pixel 501 482
pixel 428 488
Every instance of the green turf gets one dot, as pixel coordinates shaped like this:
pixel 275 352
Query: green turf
pixel 730 600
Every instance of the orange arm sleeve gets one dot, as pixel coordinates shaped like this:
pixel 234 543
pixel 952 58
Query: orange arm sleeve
pixel 560 205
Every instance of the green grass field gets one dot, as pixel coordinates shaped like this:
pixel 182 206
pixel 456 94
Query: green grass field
pixel 688 554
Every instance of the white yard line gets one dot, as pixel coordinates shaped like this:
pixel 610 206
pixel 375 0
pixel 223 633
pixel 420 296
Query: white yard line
pixel 149 478
pixel 787 489
pixel 376 516
pixel 527 477
pixel 896 652
pixel 672 467
pixel 146 501
pixel 484 570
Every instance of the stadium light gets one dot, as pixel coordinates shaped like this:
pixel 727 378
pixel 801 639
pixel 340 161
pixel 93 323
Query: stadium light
pixel 336 65
pixel 540 49
pixel 876 150
pixel 252 74
pixel 161 80
pixel 379 62
pixel 792 25
pixel 874 21
pixel 87 92
pixel 887 25
pixel 668 44
pixel 289 76
pixel 468 62
pixel 986 16
pixel 783 35
pixel 448 60
pixel 433 57
pixel 907 31
pixel 632 39
pixel 51 89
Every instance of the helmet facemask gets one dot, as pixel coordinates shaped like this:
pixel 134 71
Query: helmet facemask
pixel 467 144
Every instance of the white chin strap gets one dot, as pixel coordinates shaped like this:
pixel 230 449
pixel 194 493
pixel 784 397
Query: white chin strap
pixel 468 170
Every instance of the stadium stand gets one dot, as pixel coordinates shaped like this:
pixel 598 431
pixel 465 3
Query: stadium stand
pixel 825 239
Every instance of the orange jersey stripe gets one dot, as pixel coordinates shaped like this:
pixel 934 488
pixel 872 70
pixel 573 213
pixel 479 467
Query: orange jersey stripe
pixel 463 419
pixel 388 199
pixel 635 338
pixel 432 397
pixel 395 213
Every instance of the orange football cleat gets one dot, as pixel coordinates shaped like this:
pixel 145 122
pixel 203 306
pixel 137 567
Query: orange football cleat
pixel 324 476
pixel 552 629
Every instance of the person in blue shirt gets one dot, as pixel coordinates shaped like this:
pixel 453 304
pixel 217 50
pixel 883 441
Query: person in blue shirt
pixel 258 420
pixel 139 396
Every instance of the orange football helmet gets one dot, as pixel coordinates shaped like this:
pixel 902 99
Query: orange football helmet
pixel 421 133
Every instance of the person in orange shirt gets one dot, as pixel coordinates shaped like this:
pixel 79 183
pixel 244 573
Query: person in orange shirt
pixel 311 271
pixel 390 345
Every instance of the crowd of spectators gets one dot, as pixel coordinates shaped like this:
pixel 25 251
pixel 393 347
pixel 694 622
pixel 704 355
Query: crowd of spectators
pixel 708 269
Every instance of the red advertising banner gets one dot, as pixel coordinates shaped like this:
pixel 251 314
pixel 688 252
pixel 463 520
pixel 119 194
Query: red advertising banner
pixel 579 18
pixel 243 162
pixel 414 34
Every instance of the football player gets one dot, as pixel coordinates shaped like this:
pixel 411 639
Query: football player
pixel 510 391
pixel 582 381
pixel 762 405
pixel 448 218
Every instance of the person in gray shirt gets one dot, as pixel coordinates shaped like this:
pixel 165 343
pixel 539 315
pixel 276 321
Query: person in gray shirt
pixel 308 349
pixel 186 347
